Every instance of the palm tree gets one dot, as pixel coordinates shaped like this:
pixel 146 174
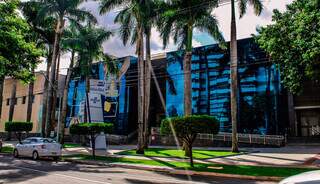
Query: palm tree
pixel 70 44
pixel 30 100
pixel 179 20
pixel 132 19
pixel 90 39
pixel 45 30
pixel 257 4
pixel 60 10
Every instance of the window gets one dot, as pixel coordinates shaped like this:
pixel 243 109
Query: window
pixel 33 98
pixel 15 101
pixel 8 101
pixel 24 99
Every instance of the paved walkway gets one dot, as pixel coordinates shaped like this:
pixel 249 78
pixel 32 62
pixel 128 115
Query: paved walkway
pixel 285 156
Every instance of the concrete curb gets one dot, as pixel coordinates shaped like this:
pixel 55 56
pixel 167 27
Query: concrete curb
pixel 175 171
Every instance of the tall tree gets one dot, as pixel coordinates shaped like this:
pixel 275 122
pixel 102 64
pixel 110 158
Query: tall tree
pixel 61 10
pixel 18 52
pixel 90 38
pixel 131 19
pixel 179 20
pixel 293 43
pixel 45 30
pixel 234 95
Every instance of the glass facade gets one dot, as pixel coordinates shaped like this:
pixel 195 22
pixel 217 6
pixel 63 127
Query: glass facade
pixel 260 91
pixel 116 108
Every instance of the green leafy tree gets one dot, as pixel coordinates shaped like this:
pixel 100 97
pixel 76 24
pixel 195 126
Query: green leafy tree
pixel 19 54
pixel 18 128
pixel 257 5
pixel 293 43
pixel 186 129
pixel 93 130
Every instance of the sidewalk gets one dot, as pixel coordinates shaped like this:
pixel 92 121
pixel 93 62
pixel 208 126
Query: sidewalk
pixel 290 156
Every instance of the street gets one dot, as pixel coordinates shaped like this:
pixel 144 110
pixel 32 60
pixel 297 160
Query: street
pixel 27 171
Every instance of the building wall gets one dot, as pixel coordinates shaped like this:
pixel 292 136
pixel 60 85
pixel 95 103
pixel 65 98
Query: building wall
pixel 261 95
pixel 20 109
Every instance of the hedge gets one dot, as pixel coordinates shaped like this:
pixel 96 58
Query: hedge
pixel 16 126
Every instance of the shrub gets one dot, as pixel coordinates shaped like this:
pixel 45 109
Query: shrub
pixel 92 130
pixel 186 129
pixel 18 128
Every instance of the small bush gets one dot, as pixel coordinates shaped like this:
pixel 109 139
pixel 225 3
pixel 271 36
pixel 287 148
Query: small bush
pixel 18 128
pixel 186 129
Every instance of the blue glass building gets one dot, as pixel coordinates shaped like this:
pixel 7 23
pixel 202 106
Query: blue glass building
pixel 260 93
pixel 122 111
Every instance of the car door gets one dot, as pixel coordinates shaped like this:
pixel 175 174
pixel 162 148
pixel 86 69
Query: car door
pixel 22 148
pixel 31 147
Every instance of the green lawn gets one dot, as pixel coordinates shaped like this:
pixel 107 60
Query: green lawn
pixel 71 145
pixel 7 149
pixel 228 169
pixel 197 154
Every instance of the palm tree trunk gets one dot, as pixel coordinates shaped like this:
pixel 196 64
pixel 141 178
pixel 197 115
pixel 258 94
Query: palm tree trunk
pixel 30 100
pixel 57 36
pixel 147 81
pixel 187 74
pixel 234 78
pixel 45 94
pixel 87 114
pixel 1 95
pixel 140 45
pixel 55 94
pixel 65 98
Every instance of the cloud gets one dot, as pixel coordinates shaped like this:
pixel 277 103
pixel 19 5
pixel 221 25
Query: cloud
pixel 245 27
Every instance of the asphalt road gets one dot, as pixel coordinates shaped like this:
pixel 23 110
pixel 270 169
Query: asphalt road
pixel 27 171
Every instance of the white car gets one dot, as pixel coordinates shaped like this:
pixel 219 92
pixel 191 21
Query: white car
pixel 311 177
pixel 36 147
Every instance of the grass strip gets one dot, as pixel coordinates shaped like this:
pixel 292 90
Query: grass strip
pixel 161 152
pixel 6 149
pixel 227 169
pixel 71 145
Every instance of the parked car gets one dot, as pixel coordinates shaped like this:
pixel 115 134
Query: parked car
pixel 311 177
pixel 37 147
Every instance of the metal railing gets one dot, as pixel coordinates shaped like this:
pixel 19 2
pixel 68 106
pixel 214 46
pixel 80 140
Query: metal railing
pixel 276 140
pixel 272 140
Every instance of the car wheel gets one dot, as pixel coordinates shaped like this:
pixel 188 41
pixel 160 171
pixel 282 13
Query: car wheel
pixel 35 155
pixel 15 153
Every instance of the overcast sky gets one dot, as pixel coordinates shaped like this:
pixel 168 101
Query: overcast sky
pixel 245 27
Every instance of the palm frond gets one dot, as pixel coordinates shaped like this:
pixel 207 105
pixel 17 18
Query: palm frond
pixel 257 6
pixel 242 7
pixel 210 25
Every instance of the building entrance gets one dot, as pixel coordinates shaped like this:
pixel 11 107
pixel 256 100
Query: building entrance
pixel 308 121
